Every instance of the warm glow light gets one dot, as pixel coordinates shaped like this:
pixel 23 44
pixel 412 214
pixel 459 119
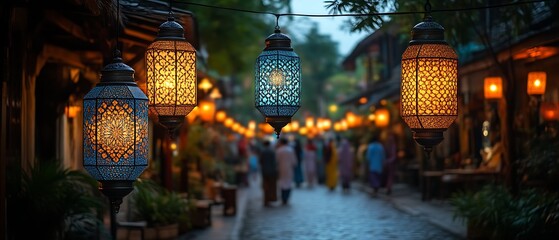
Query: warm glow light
pixel 215 94
pixel 362 100
pixel 333 108
pixel 550 111
pixel 276 78
pixel 171 77
pixel 228 122
pixel 352 120
pixel 382 118
pixel 249 134
pixel 266 128
pixel 236 126
pixel 220 116
pixel 309 122
pixel 207 110
pixel 343 125
pixel 337 127
pixel 371 117
pixel 493 87
pixel 295 125
pixel 326 124
pixel 536 83
pixel 303 131
pixel 72 111
pixel 173 146
pixel 252 125
pixel 193 114
pixel 205 84
pixel 287 128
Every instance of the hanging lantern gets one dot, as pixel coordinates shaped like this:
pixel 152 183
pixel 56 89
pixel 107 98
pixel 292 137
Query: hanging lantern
pixel 278 81
pixel 215 94
pixel 362 100
pixel 207 110
pixel 536 83
pixel 205 85
pixel 309 122
pixel 72 111
pixel 228 122
pixel 493 87
pixel 294 125
pixel 171 75
pixel 220 116
pixel 549 111
pixel 115 130
pixel 382 117
pixel 429 103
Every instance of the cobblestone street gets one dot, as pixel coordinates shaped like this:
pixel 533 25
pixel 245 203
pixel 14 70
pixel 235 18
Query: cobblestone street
pixel 319 214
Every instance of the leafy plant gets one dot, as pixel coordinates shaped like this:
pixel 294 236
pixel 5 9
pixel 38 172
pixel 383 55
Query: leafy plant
pixel 156 205
pixel 55 203
pixel 495 211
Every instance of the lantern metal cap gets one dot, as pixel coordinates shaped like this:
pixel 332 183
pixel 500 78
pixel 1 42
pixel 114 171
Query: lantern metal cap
pixel 428 138
pixel 117 71
pixel 278 41
pixel 427 31
pixel 170 30
pixel 278 123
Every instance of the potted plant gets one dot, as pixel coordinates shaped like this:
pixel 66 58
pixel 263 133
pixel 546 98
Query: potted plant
pixel 49 202
pixel 162 210
pixel 493 213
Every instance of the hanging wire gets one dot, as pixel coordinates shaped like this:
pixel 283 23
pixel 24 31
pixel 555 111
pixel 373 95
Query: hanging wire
pixel 500 5
pixel 171 8
pixel 117 27
pixel 277 21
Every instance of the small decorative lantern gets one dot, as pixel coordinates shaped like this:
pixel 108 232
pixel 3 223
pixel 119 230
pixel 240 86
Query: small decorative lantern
pixel 493 87
pixel 536 83
pixel 115 131
pixel 220 116
pixel 228 122
pixel 549 111
pixel 309 122
pixel 207 110
pixel 171 75
pixel 278 81
pixel 205 85
pixel 429 102
pixel 382 117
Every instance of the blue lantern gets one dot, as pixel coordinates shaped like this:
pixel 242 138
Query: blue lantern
pixel 277 90
pixel 115 130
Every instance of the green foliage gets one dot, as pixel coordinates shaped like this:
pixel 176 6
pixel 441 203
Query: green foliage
pixel 542 162
pixel 156 205
pixel 533 214
pixel 54 203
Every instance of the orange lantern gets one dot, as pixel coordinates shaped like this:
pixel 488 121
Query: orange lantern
pixel 303 131
pixel 228 122
pixel 362 100
pixel 193 114
pixel 550 111
pixel 287 128
pixel 295 125
pixel 205 84
pixel 207 110
pixel 309 122
pixel 382 117
pixel 493 87
pixel 236 126
pixel 536 83
pixel 337 127
pixel 220 116
pixel 72 111
pixel 326 124
pixel 343 125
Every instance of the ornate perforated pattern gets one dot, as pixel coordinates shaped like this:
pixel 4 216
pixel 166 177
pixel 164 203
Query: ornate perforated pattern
pixel 278 83
pixel 115 133
pixel 429 86
pixel 171 77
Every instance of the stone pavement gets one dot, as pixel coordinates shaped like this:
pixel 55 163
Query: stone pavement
pixel 319 214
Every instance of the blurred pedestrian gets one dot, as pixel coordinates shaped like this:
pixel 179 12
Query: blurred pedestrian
pixel 375 158
pixel 390 164
pixel 298 169
pixel 285 156
pixel 269 170
pixel 331 161
pixel 345 155
pixel 309 156
pixel 320 163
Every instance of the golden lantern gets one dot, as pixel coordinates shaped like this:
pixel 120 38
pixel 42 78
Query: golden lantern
pixel 236 126
pixel 72 111
pixel 171 75
pixel 193 114
pixel 252 125
pixel 326 124
pixel 266 128
pixel 371 117
pixel 493 87
pixel 220 116
pixel 382 117
pixel 309 122
pixel 294 125
pixel 303 131
pixel 343 125
pixel 549 111
pixel 215 94
pixel 429 100
pixel 337 127
pixel 207 110
pixel 287 128
pixel 228 122
pixel 536 83
pixel 205 84
pixel 351 119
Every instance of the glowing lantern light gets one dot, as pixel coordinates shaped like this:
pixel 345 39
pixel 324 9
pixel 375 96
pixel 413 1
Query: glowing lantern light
pixel 550 111
pixel 205 84
pixel 278 81
pixel 228 122
pixel 493 87
pixel 220 116
pixel 536 83
pixel 429 100
pixel 382 117
pixel 207 110
pixel 362 100
pixel 171 75
pixel 72 111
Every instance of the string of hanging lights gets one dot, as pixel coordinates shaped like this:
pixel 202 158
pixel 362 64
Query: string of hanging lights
pixel 472 8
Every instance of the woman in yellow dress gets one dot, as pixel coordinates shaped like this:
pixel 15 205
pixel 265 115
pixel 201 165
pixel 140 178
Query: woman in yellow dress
pixel 331 160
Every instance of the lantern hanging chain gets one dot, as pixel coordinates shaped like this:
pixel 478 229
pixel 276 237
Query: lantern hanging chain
pixel 277 21
pixel 171 9
pixel 500 5
pixel 117 27
pixel 427 9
